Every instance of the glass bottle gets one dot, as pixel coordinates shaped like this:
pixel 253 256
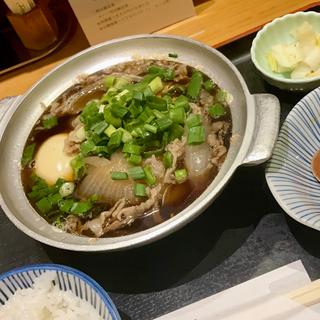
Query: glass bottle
pixel 37 28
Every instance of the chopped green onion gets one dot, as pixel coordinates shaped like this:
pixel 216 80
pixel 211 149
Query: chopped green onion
pixel 28 154
pixel 87 147
pixel 194 120
pixel 196 135
pixel 150 119
pixel 79 208
pixel 148 137
pixel 150 178
pixel 177 115
pixel 167 159
pixel 90 114
pixel 50 199
pixel 149 111
pixel 117 175
pixel 124 95
pixel 173 55
pixel 95 138
pixel 194 86
pixel 176 132
pixel 145 81
pixel 165 73
pixel 143 117
pixel 182 101
pixel 155 69
pixel 54 198
pixel 147 92
pixel 156 85
pixel 67 189
pixel 137 95
pixel 129 126
pixel 44 205
pixel 108 81
pixel 99 127
pixel 109 95
pixel 49 122
pixel 165 139
pixel 135 133
pixel 167 98
pixel 140 190
pixel 181 175
pixel 136 173
pixel 221 95
pixel 78 166
pixel 108 116
pixel 155 102
pixel 126 136
pixel 110 130
pixel 115 139
pixel 217 110
pixel 163 123
pixel 139 132
pixel 158 114
pixel 135 159
pixel 39 190
pixel 58 184
pixel 150 128
pixel 102 150
pixel 120 83
pixel 118 110
pixel 131 148
pixel 65 205
pixel 209 85
pixel 135 109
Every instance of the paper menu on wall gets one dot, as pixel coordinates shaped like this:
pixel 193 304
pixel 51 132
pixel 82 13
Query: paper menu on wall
pixel 103 20
pixel 262 298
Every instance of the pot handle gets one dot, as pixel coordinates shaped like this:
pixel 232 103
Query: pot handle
pixel 5 105
pixel 266 129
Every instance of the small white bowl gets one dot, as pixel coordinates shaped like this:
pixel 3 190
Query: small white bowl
pixel 67 279
pixel 279 32
pixel 289 172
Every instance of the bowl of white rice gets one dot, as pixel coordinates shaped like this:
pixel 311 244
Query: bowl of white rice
pixel 53 292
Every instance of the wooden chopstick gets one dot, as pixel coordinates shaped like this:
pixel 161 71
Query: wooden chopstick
pixel 308 295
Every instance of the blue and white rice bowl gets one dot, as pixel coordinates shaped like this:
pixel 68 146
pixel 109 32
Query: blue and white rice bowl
pixel 65 279
pixel 289 172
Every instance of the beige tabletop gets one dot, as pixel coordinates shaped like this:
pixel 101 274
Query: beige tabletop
pixel 216 22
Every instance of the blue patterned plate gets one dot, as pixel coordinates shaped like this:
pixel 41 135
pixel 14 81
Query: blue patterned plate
pixel 289 173
pixel 66 278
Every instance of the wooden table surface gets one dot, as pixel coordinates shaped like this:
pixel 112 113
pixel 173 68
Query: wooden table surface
pixel 217 22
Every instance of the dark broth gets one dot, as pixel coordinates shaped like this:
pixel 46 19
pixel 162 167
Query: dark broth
pixel 179 195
